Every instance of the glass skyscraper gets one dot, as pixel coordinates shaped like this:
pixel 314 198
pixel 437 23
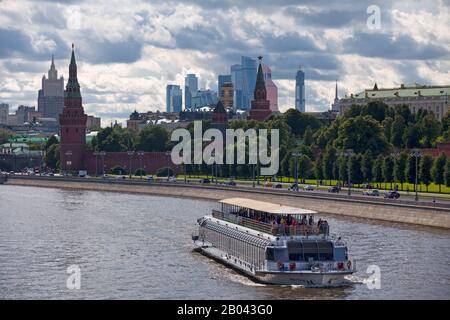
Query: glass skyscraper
pixel 300 91
pixel 248 81
pixel 174 100
pixel 190 89
pixel 236 79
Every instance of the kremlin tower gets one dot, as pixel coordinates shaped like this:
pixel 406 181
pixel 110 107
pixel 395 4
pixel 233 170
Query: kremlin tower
pixel 260 109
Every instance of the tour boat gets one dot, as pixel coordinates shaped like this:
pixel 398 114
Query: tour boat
pixel 274 244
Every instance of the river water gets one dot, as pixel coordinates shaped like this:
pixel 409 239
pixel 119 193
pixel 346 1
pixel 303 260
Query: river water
pixel 138 247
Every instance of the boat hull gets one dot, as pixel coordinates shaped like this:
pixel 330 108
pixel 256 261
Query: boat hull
pixel 304 278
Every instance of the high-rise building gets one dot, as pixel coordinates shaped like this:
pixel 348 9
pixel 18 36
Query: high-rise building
pixel 51 96
pixel 248 66
pixel 174 99
pixel 335 105
pixel 226 95
pixel 236 80
pixel 4 112
pixel 221 79
pixel 300 91
pixel 72 123
pixel 190 89
pixel 204 98
pixel 271 88
pixel 260 108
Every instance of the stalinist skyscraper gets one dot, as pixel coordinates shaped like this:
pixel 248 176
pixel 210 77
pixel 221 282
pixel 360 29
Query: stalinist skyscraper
pixel 51 96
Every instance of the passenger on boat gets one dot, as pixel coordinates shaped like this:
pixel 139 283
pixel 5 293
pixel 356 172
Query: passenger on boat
pixel 274 227
pixel 311 220
pixel 304 220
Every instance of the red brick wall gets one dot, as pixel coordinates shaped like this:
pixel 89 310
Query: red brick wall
pixel 151 162
pixel 440 147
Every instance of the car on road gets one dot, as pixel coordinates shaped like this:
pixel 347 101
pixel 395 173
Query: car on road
pixel 372 193
pixel 203 181
pixel 308 187
pixel 293 187
pixel 229 183
pixel 172 179
pixel 268 184
pixel 334 189
pixel 392 195
pixel 278 186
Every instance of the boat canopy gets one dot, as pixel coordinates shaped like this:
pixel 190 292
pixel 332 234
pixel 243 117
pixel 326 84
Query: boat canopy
pixel 268 207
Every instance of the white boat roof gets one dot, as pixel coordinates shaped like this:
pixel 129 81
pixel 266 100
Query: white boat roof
pixel 265 206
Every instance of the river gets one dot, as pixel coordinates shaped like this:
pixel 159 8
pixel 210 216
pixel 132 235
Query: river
pixel 138 247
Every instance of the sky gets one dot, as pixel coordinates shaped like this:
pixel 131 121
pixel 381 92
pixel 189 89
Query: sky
pixel 127 52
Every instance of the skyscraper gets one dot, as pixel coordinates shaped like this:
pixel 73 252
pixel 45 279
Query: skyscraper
pixel 221 79
pixel 335 105
pixel 4 112
pixel 248 66
pixel 174 99
pixel 226 95
pixel 51 96
pixel 271 88
pixel 236 79
pixel 190 89
pixel 300 91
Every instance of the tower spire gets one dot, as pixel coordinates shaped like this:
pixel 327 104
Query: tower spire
pixel 260 87
pixel 336 92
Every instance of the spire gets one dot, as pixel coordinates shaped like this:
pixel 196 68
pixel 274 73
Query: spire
pixel 73 87
pixel 260 87
pixel 375 87
pixel 219 108
pixel 52 66
pixel 73 63
pixel 336 93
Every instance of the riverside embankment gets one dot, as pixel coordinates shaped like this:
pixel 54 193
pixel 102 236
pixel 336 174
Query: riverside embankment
pixel 423 214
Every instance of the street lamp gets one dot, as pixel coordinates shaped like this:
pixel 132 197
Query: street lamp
pixel 347 153
pixel 416 153
pixel 140 154
pixel 102 154
pixel 130 154
pixel 167 156
pixel 69 162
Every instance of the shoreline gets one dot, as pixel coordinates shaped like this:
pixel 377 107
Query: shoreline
pixel 422 216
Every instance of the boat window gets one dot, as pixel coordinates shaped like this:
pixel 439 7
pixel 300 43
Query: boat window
pixel 325 250
pixel 270 254
pixel 295 250
pixel 310 250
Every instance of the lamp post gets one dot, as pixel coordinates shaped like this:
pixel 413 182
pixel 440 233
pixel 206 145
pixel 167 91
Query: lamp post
pixel 167 156
pixel 140 155
pixel 394 154
pixel 130 154
pixel 69 162
pixel 102 154
pixel 416 153
pixel 347 153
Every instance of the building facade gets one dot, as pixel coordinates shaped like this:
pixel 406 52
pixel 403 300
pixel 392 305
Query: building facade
pixel 204 98
pixel 236 80
pixel 226 95
pixel 416 97
pixel 248 81
pixel 271 88
pixel 190 89
pixel 221 79
pixel 300 102
pixel 174 98
pixel 4 112
pixel 51 96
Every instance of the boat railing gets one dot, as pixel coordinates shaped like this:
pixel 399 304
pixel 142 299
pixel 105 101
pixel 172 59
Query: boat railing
pixel 279 230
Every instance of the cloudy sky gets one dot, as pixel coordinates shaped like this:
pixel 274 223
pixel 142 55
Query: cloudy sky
pixel 127 53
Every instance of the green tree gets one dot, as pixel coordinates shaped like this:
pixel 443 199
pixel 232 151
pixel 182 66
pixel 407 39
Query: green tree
pixel 377 170
pixel 304 167
pixel 388 170
pixel 438 170
pixel 399 168
pixel 411 137
pixel 308 138
pixel 447 174
pixel 397 129
pixel 426 162
pixel 51 141
pixel 51 158
pixel 429 129
pixel 356 174
pixel 387 128
pixel 328 163
pixel 153 138
pixel 5 135
pixel 318 172
pixel 360 134
pixel 366 166
pixel 410 169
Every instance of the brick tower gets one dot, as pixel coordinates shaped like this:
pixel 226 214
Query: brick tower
pixel 260 109
pixel 72 123
pixel 219 118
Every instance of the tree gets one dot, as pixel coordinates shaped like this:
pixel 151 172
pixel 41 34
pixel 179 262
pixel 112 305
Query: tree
pixel 360 134
pixel 388 170
pixel 5 135
pixel 387 128
pixel 366 166
pixel 328 163
pixel 447 174
pixel 299 121
pixel 438 170
pixel 318 172
pixel 51 158
pixel 356 175
pixel 426 162
pixel 397 129
pixel 377 170
pixel 308 138
pixel 377 110
pixel 51 141
pixel 429 129
pixel 411 137
pixel 410 169
pixel 399 168
pixel 153 138
pixel 304 167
